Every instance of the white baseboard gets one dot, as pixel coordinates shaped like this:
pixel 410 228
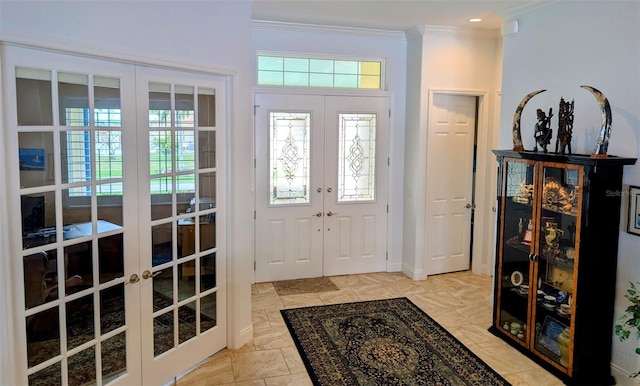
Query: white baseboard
pixel 622 377
pixel 415 274
pixel 245 335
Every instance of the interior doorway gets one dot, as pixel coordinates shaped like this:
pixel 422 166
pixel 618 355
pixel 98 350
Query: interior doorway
pixel 451 156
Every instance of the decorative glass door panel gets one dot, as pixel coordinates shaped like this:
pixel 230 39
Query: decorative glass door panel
pixel 290 149
pixel 516 246
pixel 357 157
pixel 557 253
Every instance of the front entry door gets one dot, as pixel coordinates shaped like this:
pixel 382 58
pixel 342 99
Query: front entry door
pixel 321 185
pixel 450 183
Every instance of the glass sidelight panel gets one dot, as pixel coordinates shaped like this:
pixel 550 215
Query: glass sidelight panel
pixel 106 93
pixel 185 110
pixel 35 150
pixel 357 157
pixel 73 99
pixel 206 107
pixel 207 149
pixel 208 311
pixel 85 360
pixel 289 155
pixel 159 105
pixel 161 244
pixel 38 219
pixel 33 97
pixel 114 357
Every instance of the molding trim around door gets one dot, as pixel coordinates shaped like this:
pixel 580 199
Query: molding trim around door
pixel 486 136
pixel 72 47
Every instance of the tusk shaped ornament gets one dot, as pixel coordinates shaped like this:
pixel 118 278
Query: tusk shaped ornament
pixel 600 150
pixel 517 137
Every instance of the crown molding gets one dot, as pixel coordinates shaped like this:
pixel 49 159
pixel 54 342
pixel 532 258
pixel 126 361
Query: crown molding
pixel 277 26
pixel 436 30
pixel 84 49
pixel 519 8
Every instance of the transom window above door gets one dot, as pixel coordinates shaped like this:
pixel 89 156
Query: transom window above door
pixel 327 72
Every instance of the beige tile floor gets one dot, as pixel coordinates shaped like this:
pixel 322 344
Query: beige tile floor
pixel 458 301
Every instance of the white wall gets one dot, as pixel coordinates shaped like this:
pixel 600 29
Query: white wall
pixel 456 60
pixel 564 45
pixel 356 43
pixel 207 35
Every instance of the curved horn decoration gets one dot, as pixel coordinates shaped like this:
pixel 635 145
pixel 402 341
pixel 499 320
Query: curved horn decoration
pixel 517 138
pixel 600 150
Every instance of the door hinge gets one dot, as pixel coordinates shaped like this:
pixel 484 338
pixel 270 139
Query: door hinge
pixel 389 113
pixel 254 214
pixel 387 208
pixel 254 163
pixel 387 257
pixel 254 109
pixel 388 161
pixel 254 265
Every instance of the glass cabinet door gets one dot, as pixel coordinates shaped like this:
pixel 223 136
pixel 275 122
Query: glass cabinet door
pixel 557 255
pixel 516 247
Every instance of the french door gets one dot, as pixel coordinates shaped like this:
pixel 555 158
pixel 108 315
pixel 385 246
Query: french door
pixel 321 185
pixel 116 178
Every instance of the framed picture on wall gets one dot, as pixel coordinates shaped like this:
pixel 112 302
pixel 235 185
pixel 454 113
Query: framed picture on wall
pixel 633 225
pixel 31 159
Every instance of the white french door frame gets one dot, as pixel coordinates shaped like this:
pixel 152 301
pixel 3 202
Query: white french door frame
pixel 11 333
pixel 484 217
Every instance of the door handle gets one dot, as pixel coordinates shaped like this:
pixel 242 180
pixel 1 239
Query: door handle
pixel 318 214
pixel 134 278
pixel 468 206
pixel 319 190
pixel 330 213
pixel 147 274
pixel 329 190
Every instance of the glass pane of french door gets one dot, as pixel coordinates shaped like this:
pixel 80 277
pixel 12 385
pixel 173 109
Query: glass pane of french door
pixel 181 282
pixel 71 133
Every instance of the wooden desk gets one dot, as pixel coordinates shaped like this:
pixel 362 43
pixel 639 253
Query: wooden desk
pixel 187 235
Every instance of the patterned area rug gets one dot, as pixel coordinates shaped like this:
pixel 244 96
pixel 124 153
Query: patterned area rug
pixel 304 286
pixel 382 342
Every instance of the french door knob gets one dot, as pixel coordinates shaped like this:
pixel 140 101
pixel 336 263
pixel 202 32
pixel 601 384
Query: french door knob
pixel 329 190
pixel 147 274
pixel 330 213
pixel 468 206
pixel 318 214
pixel 134 278
pixel 319 190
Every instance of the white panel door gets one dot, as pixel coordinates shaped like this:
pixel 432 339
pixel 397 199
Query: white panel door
pixel 355 201
pixel 289 186
pixel 321 185
pixel 450 183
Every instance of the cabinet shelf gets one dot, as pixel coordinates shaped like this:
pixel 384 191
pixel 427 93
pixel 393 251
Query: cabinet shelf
pixel 569 191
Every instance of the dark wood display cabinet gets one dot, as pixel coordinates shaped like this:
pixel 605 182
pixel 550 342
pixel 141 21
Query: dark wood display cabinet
pixel 557 246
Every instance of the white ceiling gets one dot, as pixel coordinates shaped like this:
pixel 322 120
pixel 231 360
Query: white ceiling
pixel 394 15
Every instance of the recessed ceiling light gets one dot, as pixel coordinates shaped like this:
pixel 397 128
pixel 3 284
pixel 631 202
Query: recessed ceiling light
pixel 475 20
